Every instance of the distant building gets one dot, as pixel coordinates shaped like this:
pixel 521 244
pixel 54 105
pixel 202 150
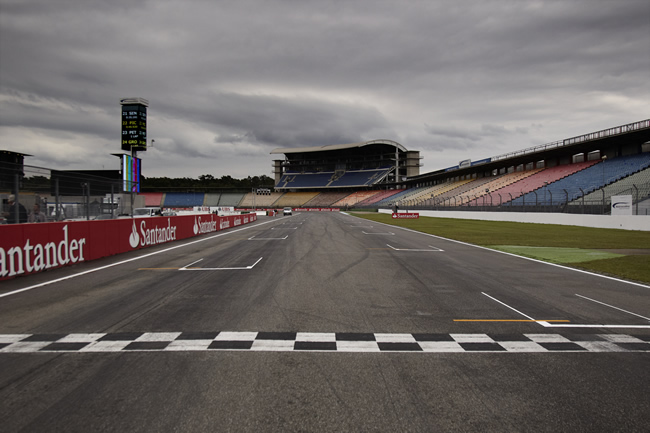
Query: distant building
pixel 11 164
pixel 369 164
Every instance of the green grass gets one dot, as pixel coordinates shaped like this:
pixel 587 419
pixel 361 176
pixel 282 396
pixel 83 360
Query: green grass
pixel 627 267
pixel 562 244
pixel 558 255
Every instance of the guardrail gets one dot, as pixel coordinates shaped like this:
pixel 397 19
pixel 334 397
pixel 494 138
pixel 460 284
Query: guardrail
pixel 617 130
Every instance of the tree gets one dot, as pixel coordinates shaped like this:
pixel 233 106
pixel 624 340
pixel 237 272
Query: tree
pixel 205 182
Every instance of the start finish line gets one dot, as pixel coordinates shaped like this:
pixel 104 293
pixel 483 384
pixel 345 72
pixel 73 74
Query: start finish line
pixel 406 215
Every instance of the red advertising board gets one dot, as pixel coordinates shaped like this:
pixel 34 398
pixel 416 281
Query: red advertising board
pixel 316 209
pixel 409 216
pixel 30 248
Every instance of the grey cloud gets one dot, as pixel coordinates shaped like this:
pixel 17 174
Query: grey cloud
pixel 223 80
pixel 468 141
pixel 283 121
pixel 234 138
pixel 471 134
pixel 55 116
pixel 452 133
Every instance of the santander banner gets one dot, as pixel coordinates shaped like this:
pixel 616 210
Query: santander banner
pixel 30 248
pixel 409 216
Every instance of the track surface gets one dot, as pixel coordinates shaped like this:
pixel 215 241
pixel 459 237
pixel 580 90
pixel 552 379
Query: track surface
pixel 323 322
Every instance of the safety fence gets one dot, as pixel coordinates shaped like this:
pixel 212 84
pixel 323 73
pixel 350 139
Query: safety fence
pixel 566 201
pixel 62 195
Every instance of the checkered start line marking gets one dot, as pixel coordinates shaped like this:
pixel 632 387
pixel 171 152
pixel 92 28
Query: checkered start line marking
pixel 320 342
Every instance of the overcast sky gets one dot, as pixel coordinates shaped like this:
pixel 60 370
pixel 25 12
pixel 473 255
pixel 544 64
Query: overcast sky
pixel 228 81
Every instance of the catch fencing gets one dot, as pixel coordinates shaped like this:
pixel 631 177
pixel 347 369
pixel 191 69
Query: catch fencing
pixel 65 195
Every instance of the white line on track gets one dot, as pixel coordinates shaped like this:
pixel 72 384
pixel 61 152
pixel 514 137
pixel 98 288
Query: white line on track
pixel 508 306
pixel 433 249
pixel 577 325
pixel 187 267
pixel 193 263
pixel 573 325
pixel 253 238
pixel 515 255
pixel 616 308
pixel 57 280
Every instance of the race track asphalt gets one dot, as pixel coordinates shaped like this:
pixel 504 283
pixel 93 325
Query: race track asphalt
pixel 322 322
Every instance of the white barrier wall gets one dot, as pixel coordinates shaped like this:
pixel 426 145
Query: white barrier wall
pixel 625 222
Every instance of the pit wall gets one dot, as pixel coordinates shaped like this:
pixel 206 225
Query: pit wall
pixel 30 248
pixel 624 222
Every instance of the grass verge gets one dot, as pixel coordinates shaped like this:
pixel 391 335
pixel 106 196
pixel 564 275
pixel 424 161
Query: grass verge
pixel 558 255
pixel 561 244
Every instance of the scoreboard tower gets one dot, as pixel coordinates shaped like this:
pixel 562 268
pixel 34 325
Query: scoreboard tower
pixel 134 124
pixel 134 139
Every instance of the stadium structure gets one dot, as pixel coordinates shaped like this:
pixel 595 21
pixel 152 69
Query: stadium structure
pixel 366 165
pixel 575 175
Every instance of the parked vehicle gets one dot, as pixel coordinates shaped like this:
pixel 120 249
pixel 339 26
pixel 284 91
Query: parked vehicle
pixel 143 212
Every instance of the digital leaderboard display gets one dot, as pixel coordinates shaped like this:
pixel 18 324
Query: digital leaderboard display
pixel 131 169
pixel 134 124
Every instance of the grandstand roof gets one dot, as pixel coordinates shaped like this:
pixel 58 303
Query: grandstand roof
pixel 286 150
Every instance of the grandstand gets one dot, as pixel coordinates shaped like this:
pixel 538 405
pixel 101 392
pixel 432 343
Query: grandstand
pixel 212 199
pixel 183 200
pixel 382 195
pixel 153 199
pixel 295 199
pixel 366 165
pixel 547 177
pixel 578 174
pixel 592 178
pixel 354 198
pixel 326 199
pixel 539 179
pixel 636 185
pixel 231 198
pixel 253 199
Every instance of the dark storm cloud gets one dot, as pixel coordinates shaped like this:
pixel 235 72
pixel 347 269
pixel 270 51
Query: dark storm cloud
pixel 254 124
pixel 442 138
pixel 236 78
pixel 292 122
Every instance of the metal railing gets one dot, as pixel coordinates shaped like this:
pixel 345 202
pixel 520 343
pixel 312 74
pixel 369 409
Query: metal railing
pixel 59 195
pixel 617 130
pixel 544 201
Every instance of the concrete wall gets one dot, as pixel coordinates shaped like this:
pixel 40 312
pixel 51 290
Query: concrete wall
pixel 632 222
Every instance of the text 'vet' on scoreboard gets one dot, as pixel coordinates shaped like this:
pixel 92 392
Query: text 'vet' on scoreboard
pixel 134 124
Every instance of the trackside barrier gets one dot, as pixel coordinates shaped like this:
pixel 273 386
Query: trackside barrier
pixel 406 215
pixel 624 222
pixel 295 209
pixel 316 209
pixel 30 248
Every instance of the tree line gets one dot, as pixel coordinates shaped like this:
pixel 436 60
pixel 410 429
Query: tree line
pixel 205 182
